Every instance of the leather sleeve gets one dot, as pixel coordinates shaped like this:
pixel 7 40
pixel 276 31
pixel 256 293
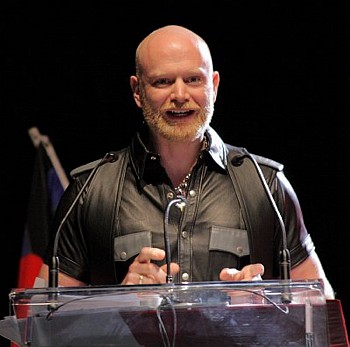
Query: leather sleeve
pixel 299 240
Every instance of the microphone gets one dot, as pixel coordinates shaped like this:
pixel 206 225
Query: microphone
pixel 285 262
pixel 179 202
pixel 54 263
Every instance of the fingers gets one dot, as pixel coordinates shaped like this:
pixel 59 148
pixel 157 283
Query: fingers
pixel 149 272
pixel 254 271
pixel 135 278
pixel 148 253
pixel 250 272
pixel 144 271
pixel 174 268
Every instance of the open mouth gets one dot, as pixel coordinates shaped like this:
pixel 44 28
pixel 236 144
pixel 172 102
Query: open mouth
pixel 179 114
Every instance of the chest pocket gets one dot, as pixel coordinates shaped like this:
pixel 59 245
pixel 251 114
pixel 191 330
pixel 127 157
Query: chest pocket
pixel 128 246
pixel 229 240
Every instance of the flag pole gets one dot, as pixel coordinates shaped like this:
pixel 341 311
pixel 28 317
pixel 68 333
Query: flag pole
pixel 38 138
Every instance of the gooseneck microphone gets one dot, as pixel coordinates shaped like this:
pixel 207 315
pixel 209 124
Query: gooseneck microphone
pixel 179 202
pixel 285 262
pixel 54 263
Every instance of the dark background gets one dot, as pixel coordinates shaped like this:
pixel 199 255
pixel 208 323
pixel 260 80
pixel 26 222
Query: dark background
pixel 284 94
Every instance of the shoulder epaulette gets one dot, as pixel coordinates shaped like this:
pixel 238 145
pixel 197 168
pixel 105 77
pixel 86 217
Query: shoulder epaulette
pixel 83 168
pixel 260 159
pixel 110 157
pixel 268 162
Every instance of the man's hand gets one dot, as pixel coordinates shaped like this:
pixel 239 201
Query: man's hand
pixel 144 271
pixel 252 272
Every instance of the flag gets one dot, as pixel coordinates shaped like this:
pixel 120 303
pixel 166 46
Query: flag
pixel 45 193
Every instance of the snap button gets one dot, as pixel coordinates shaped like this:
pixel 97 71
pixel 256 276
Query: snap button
pixel 170 195
pixel 239 249
pixel 184 234
pixel 185 276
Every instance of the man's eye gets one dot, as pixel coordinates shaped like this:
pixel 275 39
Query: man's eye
pixel 193 79
pixel 161 82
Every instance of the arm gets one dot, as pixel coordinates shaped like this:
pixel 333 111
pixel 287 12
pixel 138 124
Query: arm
pixel 63 279
pixel 311 268
pixel 141 268
pixel 305 261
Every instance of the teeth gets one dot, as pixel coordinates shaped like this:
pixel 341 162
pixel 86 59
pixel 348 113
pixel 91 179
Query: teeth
pixel 179 113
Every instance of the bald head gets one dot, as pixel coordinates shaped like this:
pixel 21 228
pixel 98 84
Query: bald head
pixel 175 84
pixel 169 40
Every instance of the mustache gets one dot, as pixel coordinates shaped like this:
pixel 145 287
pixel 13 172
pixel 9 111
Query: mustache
pixel 173 105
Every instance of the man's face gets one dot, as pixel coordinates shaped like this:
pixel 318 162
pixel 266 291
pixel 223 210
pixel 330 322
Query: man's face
pixel 177 92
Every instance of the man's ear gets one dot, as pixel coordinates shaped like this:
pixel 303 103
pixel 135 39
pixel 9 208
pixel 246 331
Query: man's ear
pixel 216 82
pixel 134 84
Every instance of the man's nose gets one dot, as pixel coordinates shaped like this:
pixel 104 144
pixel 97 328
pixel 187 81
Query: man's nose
pixel 179 92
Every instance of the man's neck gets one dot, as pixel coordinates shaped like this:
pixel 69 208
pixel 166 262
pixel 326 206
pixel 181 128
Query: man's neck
pixel 178 157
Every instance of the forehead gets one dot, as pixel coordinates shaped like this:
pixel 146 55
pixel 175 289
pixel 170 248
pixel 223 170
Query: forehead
pixel 174 52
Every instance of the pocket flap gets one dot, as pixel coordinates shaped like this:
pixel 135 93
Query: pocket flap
pixel 127 246
pixel 229 240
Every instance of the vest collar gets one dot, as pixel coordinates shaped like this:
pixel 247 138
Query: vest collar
pixel 144 160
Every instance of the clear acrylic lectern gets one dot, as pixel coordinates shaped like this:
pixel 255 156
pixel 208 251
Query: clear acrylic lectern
pixel 187 314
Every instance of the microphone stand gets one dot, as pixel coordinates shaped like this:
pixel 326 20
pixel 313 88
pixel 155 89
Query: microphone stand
pixel 179 202
pixel 285 262
pixel 54 264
